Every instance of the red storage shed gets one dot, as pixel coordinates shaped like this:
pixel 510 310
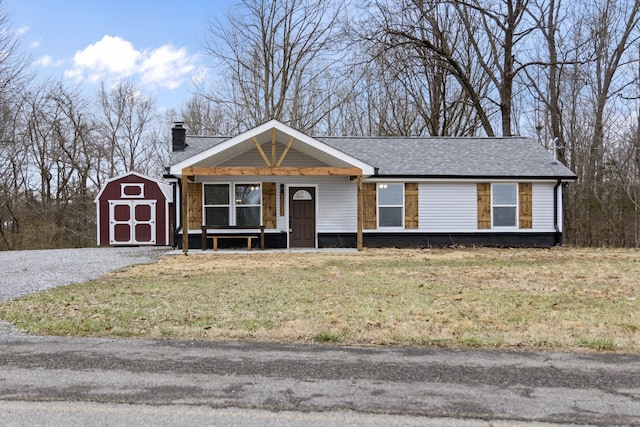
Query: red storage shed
pixel 133 209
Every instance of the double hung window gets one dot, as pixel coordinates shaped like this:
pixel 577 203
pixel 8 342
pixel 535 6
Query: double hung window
pixel 505 205
pixel 390 205
pixel 247 204
pixel 216 204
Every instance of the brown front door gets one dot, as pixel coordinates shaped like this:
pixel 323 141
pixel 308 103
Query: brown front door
pixel 302 217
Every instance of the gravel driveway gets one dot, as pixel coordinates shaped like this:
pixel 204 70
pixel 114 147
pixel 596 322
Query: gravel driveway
pixel 25 272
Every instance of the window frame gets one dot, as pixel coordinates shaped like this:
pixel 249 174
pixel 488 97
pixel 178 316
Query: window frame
pixel 515 206
pixel 237 206
pixel 379 205
pixel 233 205
pixel 205 206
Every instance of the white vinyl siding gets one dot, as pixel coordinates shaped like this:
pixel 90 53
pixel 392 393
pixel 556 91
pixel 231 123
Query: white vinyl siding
pixel 452 207
pixel 542 206
pixel 338 205
pixel 447 207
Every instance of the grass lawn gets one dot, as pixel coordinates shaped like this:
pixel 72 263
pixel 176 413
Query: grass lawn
pixel 561 299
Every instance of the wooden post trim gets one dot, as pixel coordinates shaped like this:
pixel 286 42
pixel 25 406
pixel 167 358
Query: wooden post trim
pixel 261 151
pixel 411 208
pixel 484 205
pixel 525 214
pixel 369 206
pixel 284 153
pixel 269 219
pixel 185 214
pixel 273 146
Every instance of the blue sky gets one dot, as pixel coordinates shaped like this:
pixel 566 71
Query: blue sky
pixel 156 43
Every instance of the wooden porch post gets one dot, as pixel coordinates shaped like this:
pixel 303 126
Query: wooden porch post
pixel 360 213
pixel 184 196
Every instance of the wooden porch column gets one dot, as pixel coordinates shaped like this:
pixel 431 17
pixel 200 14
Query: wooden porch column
pixel 360 213
pixel 184 195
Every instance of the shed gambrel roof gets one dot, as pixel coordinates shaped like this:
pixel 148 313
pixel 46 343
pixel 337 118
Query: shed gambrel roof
pixel 165 187
pixel 428 157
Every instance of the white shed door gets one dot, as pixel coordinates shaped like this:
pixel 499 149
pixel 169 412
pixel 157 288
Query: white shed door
pixel 132 222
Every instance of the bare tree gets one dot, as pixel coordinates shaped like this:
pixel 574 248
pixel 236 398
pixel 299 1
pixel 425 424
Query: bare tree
pixel 125 122
pixel 13 63
pixel 277 59
pixel 433 36
pixel 204 117
pixel 13 163
pixel 614 29
pixel 496 29
pixel 13 78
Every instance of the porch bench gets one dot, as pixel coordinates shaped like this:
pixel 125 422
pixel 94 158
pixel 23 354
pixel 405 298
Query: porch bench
pixel 217 235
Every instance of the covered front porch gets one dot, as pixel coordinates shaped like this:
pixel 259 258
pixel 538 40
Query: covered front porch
pixel 289 212
pixel 296 188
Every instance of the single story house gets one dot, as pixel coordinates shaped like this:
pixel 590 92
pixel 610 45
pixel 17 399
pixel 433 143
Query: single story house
pixel 133 209
pixel 303 191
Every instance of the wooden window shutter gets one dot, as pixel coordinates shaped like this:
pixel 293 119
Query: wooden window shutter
pixel 194 205
pixel 411 205
pixel 484 206
pixel 370 207
pixel 269 219
pixel 525 194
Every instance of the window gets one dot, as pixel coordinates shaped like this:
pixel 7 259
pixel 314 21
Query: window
pixel 216 204
pixel 247 204
pixel 505 205
pixel 390 205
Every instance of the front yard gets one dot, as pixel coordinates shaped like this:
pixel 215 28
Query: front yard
pixel 560 299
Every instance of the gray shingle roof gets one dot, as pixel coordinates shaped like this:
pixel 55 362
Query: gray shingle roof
pixel 195 145
pixel 433 156
pixel 458 157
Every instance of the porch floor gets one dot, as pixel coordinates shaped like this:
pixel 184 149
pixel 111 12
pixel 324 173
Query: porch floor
pixel 263 251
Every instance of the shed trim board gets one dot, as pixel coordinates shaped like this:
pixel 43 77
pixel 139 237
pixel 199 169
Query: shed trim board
pixel 132 223
pixel 526 207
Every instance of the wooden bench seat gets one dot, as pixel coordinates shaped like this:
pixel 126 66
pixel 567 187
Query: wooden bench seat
pixel 219 235
pixel 215 238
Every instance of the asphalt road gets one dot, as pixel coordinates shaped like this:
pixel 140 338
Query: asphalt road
pixel 54 376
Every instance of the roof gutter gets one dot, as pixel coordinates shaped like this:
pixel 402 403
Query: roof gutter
pixel 481 177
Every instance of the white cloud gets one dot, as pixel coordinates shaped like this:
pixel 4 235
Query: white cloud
pixel 47 61
pixel 111 56
pixel 114 58
pixel 22 31
pixel 167 67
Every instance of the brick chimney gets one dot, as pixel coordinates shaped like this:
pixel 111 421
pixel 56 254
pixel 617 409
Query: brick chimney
pixel 178 136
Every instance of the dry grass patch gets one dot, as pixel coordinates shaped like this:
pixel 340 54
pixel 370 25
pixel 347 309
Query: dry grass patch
pixel 563 299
